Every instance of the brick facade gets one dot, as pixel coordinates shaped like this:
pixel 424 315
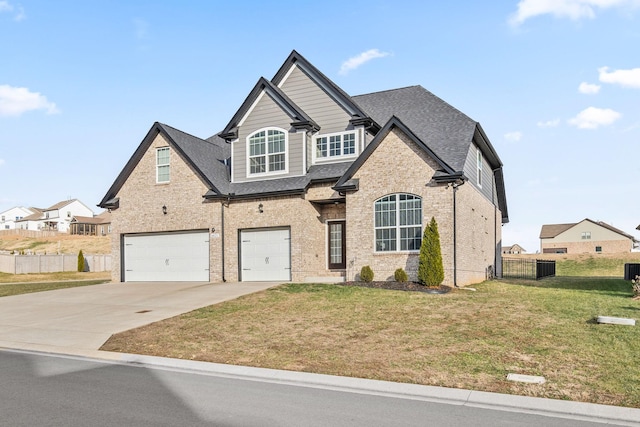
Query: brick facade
pixel 478 220
pixel 141 202
pixel 589 246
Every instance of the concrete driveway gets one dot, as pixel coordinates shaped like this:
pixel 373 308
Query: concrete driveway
pixel 79 320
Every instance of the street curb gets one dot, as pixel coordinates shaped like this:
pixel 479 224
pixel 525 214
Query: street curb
pixel 581 411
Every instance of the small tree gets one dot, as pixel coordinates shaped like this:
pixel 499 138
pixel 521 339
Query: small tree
pixel 366 274
pixel 80 261
pixel 400 275
pixel 430 268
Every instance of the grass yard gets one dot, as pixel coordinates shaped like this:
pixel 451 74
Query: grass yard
pixel 462 339
pixel 15 284
pixel 27 288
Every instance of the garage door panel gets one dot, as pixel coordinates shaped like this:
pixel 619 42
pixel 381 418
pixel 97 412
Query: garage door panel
pixel 266 255
pixel 166 257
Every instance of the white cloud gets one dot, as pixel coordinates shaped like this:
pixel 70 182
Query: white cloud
pixel 588 88
pixel 549 123
pixel 17 100
pixel 5 6
pixel 513 136
pixel 572 9
pixel 1 162
pixel 626 78
pixel 592 118
pixel 356 61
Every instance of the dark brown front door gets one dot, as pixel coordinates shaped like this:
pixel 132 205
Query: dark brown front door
pixel 337 244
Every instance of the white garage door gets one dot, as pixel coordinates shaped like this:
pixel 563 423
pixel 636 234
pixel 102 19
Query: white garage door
pixel 266 255
pixel 166 257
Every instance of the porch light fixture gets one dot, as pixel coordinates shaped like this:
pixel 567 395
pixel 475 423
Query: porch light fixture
pixel 260 208
pixel 164 209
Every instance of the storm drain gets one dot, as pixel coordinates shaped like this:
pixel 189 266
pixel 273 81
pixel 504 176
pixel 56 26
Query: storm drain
pixel 143 311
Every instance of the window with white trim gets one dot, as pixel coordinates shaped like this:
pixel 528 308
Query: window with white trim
pixel 335 145
pixel 267 151
pixel 586 235
pixel 479 167
pixel 398 223
pixel 162 165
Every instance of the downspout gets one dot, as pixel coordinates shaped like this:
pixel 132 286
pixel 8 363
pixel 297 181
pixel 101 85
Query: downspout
pixel 455 247
pixel 222 232
pixel 455 186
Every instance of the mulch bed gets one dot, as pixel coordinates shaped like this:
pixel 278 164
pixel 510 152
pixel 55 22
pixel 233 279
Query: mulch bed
pixel 400 286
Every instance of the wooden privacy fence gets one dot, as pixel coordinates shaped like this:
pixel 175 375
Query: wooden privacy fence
pixel 22 264
pixel 526 268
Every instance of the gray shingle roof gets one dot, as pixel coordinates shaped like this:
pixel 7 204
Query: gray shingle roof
pixel 207 156
pixel 447 131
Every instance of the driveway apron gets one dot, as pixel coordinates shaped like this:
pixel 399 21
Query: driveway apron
pixel 76 320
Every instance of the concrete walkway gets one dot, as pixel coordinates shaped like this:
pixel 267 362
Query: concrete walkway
pixel 79 320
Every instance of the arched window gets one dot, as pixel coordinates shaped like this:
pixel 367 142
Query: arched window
pixel 398 223
pixel 267 151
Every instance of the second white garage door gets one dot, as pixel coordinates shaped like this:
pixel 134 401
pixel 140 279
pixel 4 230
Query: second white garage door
pixel 265 255
pixel 166 257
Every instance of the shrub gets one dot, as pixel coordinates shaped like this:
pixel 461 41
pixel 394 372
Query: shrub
pixel 366 274
pixel 635 284
pixel 400 275
pixel 80 261
pixel 430 268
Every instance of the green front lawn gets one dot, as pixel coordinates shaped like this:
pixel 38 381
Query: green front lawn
pixel 463 339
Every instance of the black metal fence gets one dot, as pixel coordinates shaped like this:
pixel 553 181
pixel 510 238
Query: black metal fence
pixel 525 268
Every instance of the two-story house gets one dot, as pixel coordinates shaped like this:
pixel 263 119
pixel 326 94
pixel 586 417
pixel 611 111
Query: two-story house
pixel 9 217
pixel 55 218
pixel 307 183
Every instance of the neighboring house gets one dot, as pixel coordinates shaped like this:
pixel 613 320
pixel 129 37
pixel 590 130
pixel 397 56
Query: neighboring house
pixel 30 222
pixel 58 217
pixel 583 237
pixel 9 217
pixel 513 250
pixel 99 225
pixel 55 218
pixel 307 183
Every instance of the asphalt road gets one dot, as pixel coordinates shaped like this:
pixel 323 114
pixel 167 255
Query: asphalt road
pixel 52 390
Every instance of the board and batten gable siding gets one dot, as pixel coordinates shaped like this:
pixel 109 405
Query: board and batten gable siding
pixel 267 114
pixel 470 170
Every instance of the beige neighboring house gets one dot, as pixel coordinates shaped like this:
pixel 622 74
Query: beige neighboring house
pixel 586 236
pixel 307 183
pixel 513 250
pixel 99 225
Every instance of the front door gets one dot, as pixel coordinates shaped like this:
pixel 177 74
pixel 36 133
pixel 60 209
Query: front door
pixel 337 245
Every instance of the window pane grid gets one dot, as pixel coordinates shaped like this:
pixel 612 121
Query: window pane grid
pixel 267 151
pixel 398 223
pixel 162 165
pixel 336 145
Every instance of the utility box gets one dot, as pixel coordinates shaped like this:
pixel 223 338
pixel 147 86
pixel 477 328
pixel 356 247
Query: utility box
pixel 631 271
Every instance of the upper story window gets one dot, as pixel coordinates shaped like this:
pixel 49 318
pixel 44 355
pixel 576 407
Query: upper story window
pixel 398 223
pixel 267 151
pixel 162 165
pixel 586 235
pixel 335 145
pixel 479 167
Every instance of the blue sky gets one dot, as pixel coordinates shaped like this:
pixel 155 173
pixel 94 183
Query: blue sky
pixel 554 84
